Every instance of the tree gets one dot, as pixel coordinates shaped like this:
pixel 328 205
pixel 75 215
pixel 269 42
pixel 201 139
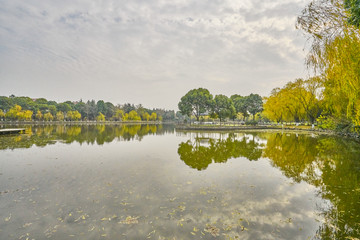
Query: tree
pixel 2 114
pixel 41 101
pixel 63 107
pixel 48 117
pixel 240 104
pixel 127 107
pixel 353 6
pixel 196 102
pixel 333 28
pixel 100 117
pixel 109 110
pixel 52 109
pixel 81 108
pixel 13 112
pixel 254 104
pixel 275 106
pixel 5 103
pixel 100 105
pixel 133 115
pixel 308 93
pixel 119 115
pixel 60 116
pixel 91 110
pixel 39 115
pixel 28 115
pixel 153 116
pixel 73 115
pixel 223 107
pixel 146 116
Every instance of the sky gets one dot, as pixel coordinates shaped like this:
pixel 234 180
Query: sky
pixel 149 52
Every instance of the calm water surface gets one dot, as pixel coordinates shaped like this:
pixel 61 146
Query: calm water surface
pixel 151 182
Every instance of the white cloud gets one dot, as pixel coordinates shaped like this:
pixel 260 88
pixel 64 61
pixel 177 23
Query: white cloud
pixel 142 47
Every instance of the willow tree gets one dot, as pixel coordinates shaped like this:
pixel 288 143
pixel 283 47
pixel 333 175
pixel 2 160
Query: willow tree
pixel 275 106
pixel 332 26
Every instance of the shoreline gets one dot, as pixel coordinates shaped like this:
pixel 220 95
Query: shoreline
pixel 185 128
pixel 355 136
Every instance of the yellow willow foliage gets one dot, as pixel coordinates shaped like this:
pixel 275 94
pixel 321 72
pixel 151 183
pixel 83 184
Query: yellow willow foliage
pixel 274 106
pixel 342 76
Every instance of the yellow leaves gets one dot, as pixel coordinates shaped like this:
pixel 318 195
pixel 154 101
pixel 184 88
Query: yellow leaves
pixel 213 230
pixel 182 208
pixel 130 220
pixel 8 218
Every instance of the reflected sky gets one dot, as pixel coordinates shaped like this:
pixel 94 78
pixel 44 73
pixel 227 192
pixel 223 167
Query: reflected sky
pixel 130 188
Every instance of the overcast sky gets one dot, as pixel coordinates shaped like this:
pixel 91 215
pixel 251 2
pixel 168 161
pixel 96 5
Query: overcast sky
pixel 148 51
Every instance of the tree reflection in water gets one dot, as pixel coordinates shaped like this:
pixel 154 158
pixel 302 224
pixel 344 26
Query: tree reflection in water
pixel 329 163
pixel 333 165
pixel 89 134
pixel 201 152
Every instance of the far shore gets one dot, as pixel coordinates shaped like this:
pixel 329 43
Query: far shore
pixel 78 122
pixel 193 127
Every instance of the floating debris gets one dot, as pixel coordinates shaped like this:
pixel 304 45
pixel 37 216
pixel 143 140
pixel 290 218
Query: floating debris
pixel 182 208
pixel 130 220
pixel 214 231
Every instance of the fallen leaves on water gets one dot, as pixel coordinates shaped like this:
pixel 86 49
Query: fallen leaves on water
pixel 130 220
pixel 214 231
pixel 8 218
pixel 182 208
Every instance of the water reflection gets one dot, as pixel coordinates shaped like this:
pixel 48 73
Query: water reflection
pixel 89 134
pixel 330 164
pixel 200 152
pixel 269 185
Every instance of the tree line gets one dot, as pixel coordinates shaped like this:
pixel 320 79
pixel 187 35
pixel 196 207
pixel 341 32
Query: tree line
pixel 332 96
pixel 200 102
pixel 27 109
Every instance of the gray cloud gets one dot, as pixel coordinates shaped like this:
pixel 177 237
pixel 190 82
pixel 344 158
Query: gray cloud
pixel 150 52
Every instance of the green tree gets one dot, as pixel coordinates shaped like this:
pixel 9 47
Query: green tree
pixel 63 107
pixel 240 105
pixel 41 101
pixel 81 108
pixel 353 6
pixel 254 104
pixel 196 102
pixel 52 109
pixel 91 110
pixel 100 105
pixel 109 110
pixel 5 103
pixel 223 107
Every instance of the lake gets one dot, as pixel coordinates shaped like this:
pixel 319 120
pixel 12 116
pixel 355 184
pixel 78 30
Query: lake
pixel 152 182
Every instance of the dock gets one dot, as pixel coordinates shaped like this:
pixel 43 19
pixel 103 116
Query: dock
pixel 11 131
